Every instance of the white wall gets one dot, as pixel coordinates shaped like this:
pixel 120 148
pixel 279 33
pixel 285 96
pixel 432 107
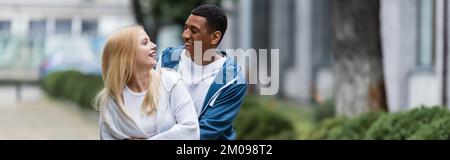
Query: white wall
pixel 399 46
pixel 298 79
pixel 424 90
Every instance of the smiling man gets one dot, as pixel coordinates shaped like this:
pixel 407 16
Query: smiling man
pixel 212 77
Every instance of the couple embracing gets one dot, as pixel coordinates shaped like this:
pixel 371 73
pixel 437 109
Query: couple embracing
pixel 186 92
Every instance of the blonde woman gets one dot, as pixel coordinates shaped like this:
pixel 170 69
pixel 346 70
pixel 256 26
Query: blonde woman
pixel 139 102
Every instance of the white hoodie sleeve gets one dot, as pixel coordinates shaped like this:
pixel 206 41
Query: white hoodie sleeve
pixel 104 131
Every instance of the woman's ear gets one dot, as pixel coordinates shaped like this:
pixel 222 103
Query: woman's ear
pixel 216 38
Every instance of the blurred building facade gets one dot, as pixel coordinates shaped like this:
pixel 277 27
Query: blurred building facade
pixel 412 34
pixel 75 17
pixel 300 29
pixel 413 41
pixel 58 31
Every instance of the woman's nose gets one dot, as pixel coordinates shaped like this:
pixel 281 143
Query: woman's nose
pixel 153 46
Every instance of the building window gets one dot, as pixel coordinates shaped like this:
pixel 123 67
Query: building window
pixel 89 27
pixel 38 28
pixel 63 26
pixel 426 34
pixel 322 33
pixel 5 27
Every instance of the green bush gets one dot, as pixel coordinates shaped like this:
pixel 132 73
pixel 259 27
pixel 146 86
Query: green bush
pixel 437 130
pixel 52 82
pixel 257 122
pixel 405 125
pixel 326 128
pixel 324 111
pixel 356 128
pixel 47 83
pixel 61 83
pixel 418 124
pixel 88 89
pixel 71 83
pixel 74 86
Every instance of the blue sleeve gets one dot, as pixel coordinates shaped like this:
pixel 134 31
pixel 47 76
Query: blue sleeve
pixel 219 117
pixel 160 57
pixel 170 57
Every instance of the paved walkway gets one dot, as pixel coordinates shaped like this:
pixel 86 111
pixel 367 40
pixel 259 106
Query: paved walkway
pixel 38 117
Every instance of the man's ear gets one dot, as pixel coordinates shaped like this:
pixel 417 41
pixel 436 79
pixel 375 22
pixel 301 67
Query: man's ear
pixel 216 38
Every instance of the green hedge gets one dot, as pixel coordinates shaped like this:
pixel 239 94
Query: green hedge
pixel 324 111
pixel 55 82
pixel 407 125
pixel 326 129
pixel 357 127
pixel 74 86
pixel 419 124
pixel 256 121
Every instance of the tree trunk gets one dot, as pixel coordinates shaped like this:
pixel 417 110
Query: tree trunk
pixel 357 50
pixel 139 16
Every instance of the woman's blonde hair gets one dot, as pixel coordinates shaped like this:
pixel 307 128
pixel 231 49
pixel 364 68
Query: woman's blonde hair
pixel 117 67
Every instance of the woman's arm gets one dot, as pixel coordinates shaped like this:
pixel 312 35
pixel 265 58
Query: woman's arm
pixel 183 109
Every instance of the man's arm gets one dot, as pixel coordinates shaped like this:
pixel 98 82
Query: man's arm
pixel 219 117
pixel 186 127
pixel 159 59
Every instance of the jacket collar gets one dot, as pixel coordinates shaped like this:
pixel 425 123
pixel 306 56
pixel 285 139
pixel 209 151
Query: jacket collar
pixel 229 74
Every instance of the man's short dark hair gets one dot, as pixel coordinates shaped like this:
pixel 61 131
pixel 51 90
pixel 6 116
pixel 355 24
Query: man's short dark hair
pixel 215 17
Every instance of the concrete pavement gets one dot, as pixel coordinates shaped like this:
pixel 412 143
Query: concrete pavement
pixel 39 117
